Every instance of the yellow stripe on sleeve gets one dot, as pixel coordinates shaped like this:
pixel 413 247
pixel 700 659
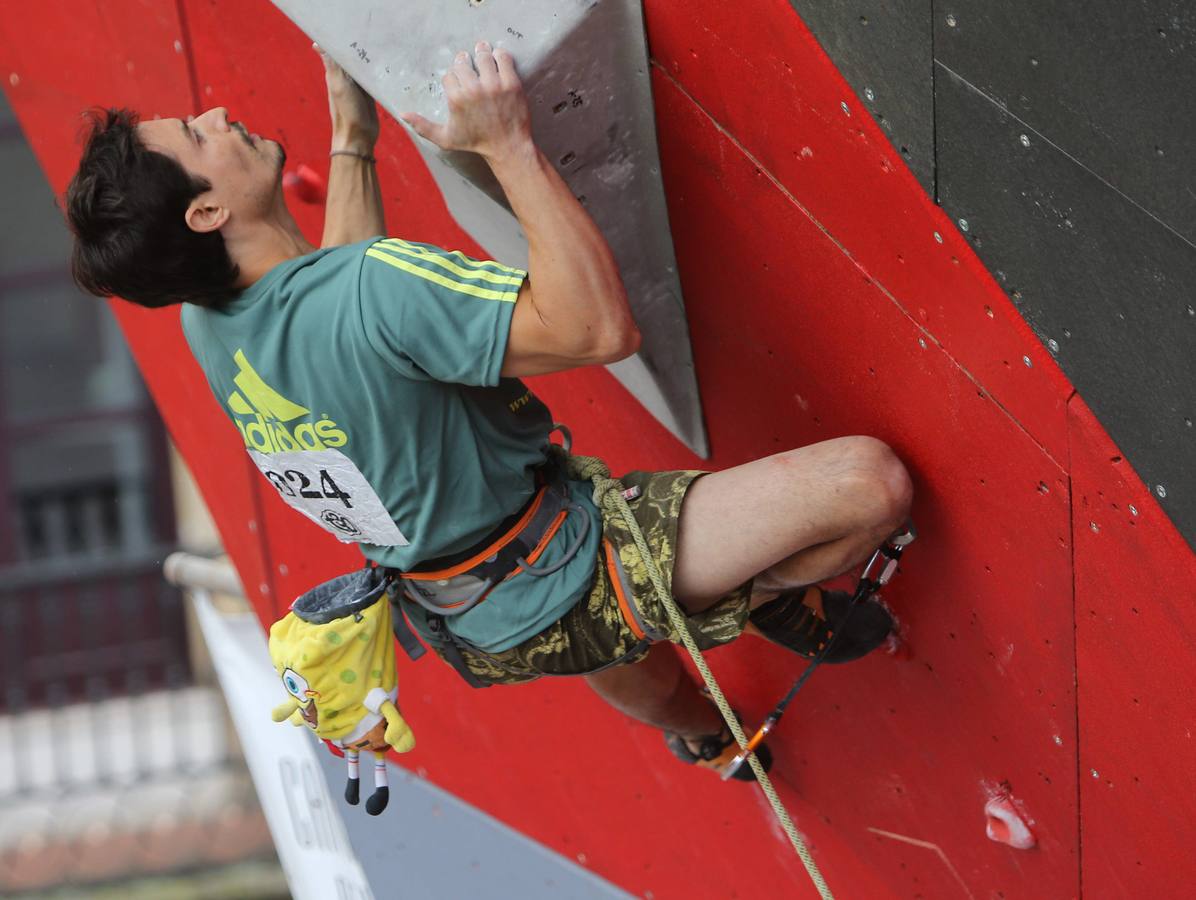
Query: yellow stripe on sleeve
pixel 470 262
pixel 436 259
pixel 437 278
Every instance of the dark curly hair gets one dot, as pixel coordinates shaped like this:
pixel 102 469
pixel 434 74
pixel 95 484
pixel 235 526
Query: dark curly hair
pixel 126 207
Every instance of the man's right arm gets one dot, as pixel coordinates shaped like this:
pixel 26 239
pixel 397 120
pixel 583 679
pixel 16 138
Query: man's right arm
pixel 573 309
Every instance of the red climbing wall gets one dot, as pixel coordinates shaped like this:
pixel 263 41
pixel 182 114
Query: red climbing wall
pixel 827 295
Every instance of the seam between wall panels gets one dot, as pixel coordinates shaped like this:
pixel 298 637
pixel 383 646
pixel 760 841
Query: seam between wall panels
pixel 189 56
pixel 1075 650
pixel 934 113
pixel 1049 143
pixel 759 165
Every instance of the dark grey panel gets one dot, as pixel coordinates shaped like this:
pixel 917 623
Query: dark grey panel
pixel 1111 83
pixel 882 47
pixel 1110 289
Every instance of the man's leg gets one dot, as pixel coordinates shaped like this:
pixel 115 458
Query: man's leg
pixel 787 520
pixel 658 692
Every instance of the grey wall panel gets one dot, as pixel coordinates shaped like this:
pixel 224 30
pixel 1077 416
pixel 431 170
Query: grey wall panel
pixel 883 49
pixel 1108 287
pixel 1111 83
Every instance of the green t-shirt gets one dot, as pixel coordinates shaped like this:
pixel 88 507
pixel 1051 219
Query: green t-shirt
pixel 364 380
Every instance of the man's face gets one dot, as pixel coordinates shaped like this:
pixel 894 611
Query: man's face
pixel 244 169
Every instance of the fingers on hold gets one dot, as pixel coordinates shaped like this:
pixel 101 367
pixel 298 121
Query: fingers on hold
pixel 463 67
pixel 484 60
pixel 426 129
pixel 506 65
pixel 451 84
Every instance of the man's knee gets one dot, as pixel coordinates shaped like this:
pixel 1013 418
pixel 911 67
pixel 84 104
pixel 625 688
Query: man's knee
pixel 881 479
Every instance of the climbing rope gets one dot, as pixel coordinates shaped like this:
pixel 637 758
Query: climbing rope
pixel 608 496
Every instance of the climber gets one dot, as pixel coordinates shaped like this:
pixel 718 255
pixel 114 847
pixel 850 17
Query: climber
pixel 375 382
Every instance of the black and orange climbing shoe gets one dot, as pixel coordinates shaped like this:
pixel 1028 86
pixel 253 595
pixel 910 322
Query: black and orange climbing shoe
pixel 715 752
pixel 804 620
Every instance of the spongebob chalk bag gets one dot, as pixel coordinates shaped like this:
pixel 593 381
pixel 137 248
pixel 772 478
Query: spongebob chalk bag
pixel 335 654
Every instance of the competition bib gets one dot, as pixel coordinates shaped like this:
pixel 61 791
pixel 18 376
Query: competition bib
pixel 326 487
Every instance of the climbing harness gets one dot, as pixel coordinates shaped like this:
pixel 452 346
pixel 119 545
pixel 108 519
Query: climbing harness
pixel 451 590
pixel 880 570
pixel 450 586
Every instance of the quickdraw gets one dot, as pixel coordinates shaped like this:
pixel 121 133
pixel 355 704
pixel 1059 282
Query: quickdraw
pixel 877 573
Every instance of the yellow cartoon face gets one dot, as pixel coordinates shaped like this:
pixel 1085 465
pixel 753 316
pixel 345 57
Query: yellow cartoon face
pixel 298 688
pixel 341 661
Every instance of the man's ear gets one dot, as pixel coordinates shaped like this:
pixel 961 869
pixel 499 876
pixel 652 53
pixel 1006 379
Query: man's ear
pixel 205 217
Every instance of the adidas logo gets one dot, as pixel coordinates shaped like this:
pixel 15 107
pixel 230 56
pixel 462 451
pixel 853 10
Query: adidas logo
pixel 262 414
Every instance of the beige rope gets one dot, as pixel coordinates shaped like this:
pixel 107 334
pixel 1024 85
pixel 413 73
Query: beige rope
pixel 608 495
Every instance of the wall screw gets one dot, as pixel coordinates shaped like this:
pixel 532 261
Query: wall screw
pixel 869 95
pixel 1133 510
pixel 843 106
pixel 1025 139
pixel 950 21
pixel 1095 774
pixel 963 224
pixel 938 237
pixel 1160 490
pixel 1095 528
pixel 1059 740
pixel 1053 344
pixel 1026 360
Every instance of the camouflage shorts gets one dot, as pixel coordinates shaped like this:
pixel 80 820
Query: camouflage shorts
pixel 621 616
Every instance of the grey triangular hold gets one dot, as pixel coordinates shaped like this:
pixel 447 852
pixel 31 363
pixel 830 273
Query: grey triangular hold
pixel 584 67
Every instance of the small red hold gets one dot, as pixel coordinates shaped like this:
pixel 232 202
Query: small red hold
pixel 1007 824
pixel 304 184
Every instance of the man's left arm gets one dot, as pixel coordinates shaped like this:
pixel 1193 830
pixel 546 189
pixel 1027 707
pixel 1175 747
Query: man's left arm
pixel 353 210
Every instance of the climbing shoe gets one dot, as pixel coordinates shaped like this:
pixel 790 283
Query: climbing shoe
pixel 804 620
pixel 715 752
